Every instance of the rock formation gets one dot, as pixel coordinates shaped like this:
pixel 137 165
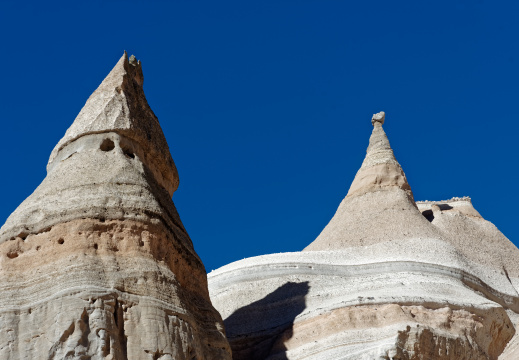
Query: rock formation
pixel 388 278
pixel 96 263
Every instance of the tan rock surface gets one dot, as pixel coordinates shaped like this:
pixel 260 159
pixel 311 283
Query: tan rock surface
pixel 386 279
pixel 379 205
pixel 464 335
pixel 476 238
pixel 96 263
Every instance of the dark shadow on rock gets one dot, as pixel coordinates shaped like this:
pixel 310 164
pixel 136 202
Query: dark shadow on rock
pixel 258 330
pixel 428 215
pixel 445 207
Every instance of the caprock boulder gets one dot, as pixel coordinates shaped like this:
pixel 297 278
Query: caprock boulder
pixel 96 263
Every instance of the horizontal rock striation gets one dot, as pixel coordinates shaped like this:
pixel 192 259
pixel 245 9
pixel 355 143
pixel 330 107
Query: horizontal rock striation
pixel 96 263
pixel 335 285
pixel 387 278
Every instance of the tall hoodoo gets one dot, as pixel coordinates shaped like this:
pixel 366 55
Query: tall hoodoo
pixel 386 279
pixel 380 169
pixel 96 262
pixel 379 204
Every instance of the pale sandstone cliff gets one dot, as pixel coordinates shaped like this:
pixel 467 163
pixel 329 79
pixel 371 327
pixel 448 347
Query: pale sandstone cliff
pixel 386 279
pixel 96 263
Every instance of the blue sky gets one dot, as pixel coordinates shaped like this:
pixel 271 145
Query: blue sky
pixel 266 105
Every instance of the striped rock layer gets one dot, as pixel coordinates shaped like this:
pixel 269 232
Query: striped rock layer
pixel 388 278
pixel 96 263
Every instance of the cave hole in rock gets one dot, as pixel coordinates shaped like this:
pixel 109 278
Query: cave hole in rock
pixel 428 214
pixel 61 241
pixel 129 154
pixel 107 145
pixel 12 254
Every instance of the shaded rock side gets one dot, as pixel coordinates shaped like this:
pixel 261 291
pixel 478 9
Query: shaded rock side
pixel 386 279
pixel 96 263
pixel 371 302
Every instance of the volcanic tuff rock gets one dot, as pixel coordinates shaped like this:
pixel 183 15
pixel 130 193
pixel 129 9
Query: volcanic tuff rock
pixel 96 263
pixel 388 278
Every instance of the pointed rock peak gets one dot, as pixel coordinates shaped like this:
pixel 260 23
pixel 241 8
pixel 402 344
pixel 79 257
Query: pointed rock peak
pixel 103 221
pixel 119 106
pixel 134 68
pixel 380 169
pixel 379 206
pixel 379 151
pixel 127 72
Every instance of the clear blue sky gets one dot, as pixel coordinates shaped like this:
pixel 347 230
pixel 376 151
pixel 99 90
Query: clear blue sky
pixel 266 105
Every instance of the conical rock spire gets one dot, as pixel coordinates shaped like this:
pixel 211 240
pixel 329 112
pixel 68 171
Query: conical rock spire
pixel 379 205
pixel 380 169
pixel 380 281
pixel 96 262
pixel 113 163
pixel 119 105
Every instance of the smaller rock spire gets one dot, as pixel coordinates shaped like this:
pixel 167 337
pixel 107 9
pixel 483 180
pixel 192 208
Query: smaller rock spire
pixel 380 167
pixel 379 206
pixel 379 150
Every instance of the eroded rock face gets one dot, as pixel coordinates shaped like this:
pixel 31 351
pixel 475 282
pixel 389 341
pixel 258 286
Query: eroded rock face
pixel 96 263
pixel 387 278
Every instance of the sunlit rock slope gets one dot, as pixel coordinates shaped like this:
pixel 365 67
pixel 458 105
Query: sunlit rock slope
pixel 96 263
pixel 388 278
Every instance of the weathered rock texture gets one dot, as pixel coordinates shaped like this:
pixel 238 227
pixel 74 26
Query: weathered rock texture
pixel 387 278
pixel 96 263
